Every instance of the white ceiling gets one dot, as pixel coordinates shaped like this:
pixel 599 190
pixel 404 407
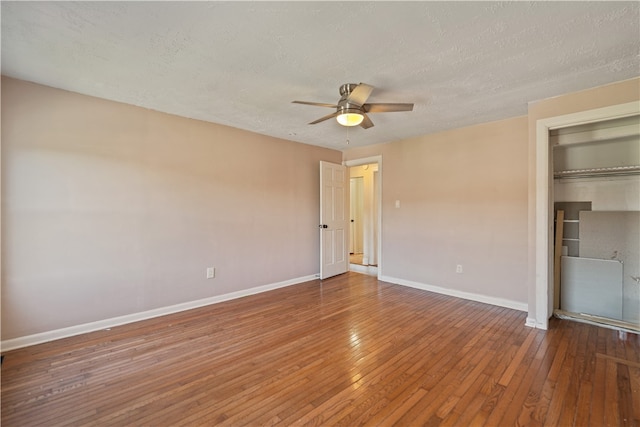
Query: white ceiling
pixel 242 63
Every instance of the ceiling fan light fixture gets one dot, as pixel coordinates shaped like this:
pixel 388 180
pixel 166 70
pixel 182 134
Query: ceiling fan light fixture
pixel 352 108
pixel 350 118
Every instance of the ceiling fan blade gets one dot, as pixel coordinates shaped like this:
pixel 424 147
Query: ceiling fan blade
pixel 327 117
pixel 360 94
pixel 366 122
pixel 317 104
pixel 386 108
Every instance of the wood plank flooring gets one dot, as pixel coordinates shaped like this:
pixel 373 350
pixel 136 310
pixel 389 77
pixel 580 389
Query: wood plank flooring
pixel 345 351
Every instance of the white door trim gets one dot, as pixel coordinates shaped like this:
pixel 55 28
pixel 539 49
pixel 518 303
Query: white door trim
pixel 368 161
pixel 544 197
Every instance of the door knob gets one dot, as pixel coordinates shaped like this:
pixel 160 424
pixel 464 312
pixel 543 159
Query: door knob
pixel 323 226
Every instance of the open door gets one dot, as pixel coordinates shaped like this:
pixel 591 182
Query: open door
pixel 334 224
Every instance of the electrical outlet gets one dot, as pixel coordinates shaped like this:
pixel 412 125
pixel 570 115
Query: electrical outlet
pixel 211 272
pixel 458 268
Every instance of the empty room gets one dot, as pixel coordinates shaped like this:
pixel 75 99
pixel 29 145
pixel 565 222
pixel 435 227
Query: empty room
pixel 320 213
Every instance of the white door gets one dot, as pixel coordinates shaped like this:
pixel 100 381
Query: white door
pixel 334 224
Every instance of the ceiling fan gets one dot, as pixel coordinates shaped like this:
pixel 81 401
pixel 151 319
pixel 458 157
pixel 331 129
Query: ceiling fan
pixel 352 108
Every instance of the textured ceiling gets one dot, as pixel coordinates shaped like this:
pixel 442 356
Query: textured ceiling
pixel 242 63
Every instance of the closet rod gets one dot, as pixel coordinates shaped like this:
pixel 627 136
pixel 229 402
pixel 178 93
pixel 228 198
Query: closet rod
pixel 599 172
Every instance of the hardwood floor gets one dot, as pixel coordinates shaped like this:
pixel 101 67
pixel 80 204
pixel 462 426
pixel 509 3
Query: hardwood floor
pixel 345 351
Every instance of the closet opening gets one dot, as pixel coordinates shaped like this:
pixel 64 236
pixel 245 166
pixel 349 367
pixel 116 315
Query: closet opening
pixel 596 209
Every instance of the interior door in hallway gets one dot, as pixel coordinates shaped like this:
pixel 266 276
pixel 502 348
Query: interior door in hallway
pixel 334 223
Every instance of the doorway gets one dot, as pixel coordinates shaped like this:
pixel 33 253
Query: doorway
pixel 365 215
pixel 356 219
pixel 543 222
pixel 596 188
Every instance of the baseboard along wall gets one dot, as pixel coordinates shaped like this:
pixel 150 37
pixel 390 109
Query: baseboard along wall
pixel 500 302
pixel 42 337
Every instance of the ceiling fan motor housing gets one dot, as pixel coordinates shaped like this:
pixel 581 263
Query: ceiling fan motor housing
pixel 346 89
pixel 344 106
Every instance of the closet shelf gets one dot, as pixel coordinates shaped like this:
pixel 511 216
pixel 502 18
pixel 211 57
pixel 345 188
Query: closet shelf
pixel 594 172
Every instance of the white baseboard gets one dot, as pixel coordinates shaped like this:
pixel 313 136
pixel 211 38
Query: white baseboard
pixel 501 302
pixel 533 323
pixel 15 343
pixel 530 322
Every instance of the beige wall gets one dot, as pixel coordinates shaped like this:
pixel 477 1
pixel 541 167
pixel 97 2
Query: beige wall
pixel 110 209
pixel 463 200
pixel 603 96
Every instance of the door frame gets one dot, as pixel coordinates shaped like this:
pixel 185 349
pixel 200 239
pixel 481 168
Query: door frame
pixel 544 291
pixel 369 161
